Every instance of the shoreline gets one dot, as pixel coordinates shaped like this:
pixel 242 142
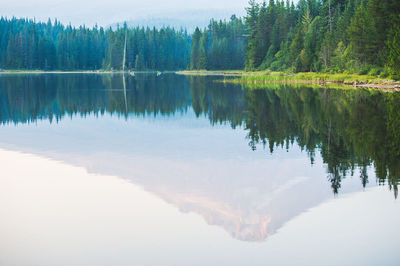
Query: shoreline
pixel 267 77
pixel 58 72
pixel 254 78
pixel 226 73
pixel 8 72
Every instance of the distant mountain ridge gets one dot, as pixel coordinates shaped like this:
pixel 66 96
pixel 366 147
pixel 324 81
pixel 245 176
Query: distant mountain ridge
pixel 188 20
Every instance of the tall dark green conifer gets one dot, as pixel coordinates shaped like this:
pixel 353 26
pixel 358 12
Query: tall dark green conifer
pixel 195 55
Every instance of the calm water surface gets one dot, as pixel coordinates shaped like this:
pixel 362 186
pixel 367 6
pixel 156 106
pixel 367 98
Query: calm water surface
pixel 174 170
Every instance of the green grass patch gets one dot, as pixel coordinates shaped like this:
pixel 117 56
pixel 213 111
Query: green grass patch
pixel 267 77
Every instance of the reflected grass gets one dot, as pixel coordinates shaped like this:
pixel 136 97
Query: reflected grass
pixel 266 77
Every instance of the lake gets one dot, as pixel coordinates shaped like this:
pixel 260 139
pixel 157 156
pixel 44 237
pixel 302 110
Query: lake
pixel 175 170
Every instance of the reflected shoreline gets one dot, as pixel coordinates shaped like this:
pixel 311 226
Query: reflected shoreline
pixel 351 129
pixel 342 132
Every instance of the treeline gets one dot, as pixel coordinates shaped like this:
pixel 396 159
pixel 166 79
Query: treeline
pixel 26 44
pixel 164 49
pixel 220 46
pixel 360 36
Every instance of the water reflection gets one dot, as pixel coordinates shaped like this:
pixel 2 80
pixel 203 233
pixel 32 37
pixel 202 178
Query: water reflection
pixel 350 128
pixel 29 98
pixel 348 131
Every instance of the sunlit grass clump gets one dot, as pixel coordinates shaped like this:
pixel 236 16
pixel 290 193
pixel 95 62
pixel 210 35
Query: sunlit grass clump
pixel 266 77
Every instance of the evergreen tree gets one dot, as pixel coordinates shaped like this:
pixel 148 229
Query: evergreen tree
pixel 203 43
pixel 195 55
pixel 394 53
pixel 363 45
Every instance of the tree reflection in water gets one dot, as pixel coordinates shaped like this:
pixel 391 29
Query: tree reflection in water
pixel 351 129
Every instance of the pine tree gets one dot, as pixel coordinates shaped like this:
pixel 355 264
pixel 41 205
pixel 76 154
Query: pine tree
pixel 394 53
pixel 202 59
pixel 253 59
pixel 363 45
pixel 195 55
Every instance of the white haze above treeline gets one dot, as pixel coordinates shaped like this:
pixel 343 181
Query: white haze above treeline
pixel 106 13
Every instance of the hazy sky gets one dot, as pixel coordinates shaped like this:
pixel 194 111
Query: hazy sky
pixel 105 12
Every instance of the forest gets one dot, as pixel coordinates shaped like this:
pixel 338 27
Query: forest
pixel 220 46
pixel 26 44
pixel 357 36
pixel 331 36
